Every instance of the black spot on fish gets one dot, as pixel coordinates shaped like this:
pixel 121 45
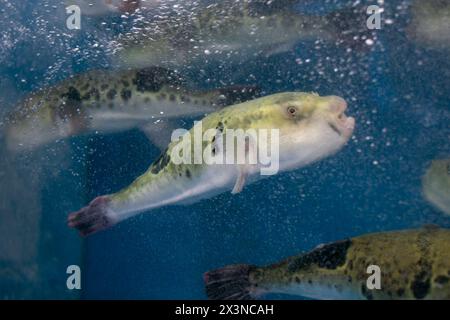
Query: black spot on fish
pixel 104 86
pixel 125 83
pixel 220 126
pixel 85 87
pixel 162 96
pixel 111 105
pixel 93 93
pixel 422 280
pixel 421 285
pixel 233 95
pixel 172 97
pixel 297 279
pixel 125 94
pixel 441 279
pixel 72 94
pixel 329 256
pixel 147 100
pixel 111 94
pixel 160 163
pixel 154 78
pixel 188 173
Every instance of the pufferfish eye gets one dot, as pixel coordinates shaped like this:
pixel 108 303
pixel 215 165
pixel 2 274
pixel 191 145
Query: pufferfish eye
pixel 292 111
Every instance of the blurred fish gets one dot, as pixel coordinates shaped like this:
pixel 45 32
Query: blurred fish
pixel 310 128
pixel 233 31
pixel 430 23
pixel 436 185
pixel 106 7
pixel 414 264
pixel 111 101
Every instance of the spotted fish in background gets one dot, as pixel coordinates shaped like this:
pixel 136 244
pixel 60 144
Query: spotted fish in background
pixel 111 101
pixel 436 185
pixel 415 264
pixel 310 128
pixel 232 31
pixel 430 23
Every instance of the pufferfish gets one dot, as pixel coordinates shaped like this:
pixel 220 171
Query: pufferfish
pixel 413 264
pixel 309 127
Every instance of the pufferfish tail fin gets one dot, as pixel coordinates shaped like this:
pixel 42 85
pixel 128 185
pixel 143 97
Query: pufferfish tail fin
pixel 230 283
pixel 93 218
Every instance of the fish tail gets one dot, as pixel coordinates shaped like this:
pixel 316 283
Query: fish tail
pixel 92 218
pixel 230 283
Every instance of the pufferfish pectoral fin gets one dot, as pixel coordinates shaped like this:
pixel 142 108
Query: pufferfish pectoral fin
pixel 240 181
pixel 245 168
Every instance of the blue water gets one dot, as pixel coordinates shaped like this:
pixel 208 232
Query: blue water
pixel 398 93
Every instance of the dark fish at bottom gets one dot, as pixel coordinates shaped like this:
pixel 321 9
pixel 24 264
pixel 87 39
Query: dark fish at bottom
pixel 414 264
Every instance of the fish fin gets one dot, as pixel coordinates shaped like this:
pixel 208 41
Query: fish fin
pixel 230 283
pixel 230 95
pixel 349 26
pixel 243 169
pixel 93 218
pixel 160 132
pixel 240 181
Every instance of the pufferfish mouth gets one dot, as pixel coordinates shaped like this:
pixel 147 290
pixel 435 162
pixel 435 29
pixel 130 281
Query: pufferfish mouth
pixel 339 121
